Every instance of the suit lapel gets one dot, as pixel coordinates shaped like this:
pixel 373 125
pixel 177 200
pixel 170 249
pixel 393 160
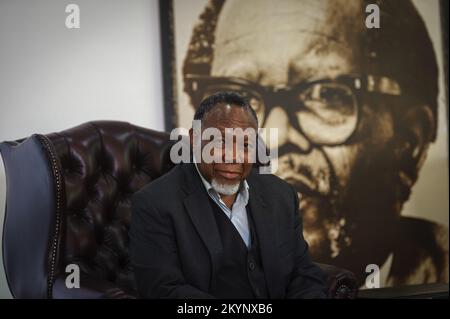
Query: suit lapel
pixel 265 224
pixel 199 210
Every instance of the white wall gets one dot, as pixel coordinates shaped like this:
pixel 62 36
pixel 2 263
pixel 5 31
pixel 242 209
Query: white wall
pixel 53 78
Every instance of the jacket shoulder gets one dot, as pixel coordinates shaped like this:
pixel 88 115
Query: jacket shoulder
pixel 167 185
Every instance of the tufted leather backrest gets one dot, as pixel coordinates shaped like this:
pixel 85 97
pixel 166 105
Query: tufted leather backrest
pixel 102 164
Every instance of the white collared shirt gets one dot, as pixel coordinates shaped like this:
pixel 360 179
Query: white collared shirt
pixel 238 213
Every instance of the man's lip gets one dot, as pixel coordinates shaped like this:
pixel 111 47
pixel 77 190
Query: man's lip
pixel 229 174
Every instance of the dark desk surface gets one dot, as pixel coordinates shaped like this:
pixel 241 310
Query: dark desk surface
pixel 426 291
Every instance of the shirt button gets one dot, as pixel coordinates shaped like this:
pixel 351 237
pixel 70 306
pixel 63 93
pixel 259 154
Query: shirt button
pixel 251 265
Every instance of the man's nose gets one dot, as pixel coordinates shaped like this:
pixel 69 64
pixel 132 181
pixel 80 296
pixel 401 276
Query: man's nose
pixel 287 133
pixel 234 153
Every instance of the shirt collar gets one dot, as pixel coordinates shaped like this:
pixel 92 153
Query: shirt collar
pixel 243 190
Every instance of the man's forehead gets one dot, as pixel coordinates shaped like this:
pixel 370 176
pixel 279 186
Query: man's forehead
pixel 228 115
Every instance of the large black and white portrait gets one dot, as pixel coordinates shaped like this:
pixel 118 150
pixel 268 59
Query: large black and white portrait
pixel 361 116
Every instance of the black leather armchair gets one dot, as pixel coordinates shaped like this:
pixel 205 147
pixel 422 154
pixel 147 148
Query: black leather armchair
pixel 68 202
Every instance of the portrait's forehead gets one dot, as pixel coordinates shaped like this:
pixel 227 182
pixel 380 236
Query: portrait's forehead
pixel 255 35
pixel 327 17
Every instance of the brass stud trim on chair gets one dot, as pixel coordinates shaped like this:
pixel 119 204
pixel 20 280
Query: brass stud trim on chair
pixel 59 192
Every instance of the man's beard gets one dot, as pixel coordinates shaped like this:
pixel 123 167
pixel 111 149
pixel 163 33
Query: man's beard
pixel 225 189
pixel 346 221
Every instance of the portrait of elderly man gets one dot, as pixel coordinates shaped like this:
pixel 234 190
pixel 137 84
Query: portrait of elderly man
pixel 356 111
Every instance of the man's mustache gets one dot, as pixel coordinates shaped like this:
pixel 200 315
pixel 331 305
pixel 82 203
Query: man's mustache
pixel 309 173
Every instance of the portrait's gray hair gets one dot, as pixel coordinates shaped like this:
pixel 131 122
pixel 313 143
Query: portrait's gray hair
pixel 401 49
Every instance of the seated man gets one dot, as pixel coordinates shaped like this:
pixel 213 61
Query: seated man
pixel 221 229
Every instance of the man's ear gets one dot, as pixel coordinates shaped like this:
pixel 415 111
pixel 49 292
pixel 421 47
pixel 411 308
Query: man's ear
pixel 417 129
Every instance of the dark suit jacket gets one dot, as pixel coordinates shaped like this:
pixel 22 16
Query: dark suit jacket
pixel 176 247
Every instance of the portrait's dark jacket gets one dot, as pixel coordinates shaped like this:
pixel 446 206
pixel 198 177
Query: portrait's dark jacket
pixel 176 247
pixel 420 253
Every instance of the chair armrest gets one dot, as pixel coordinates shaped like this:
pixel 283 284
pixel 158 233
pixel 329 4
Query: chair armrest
pixel 341 283
pixel 90 288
